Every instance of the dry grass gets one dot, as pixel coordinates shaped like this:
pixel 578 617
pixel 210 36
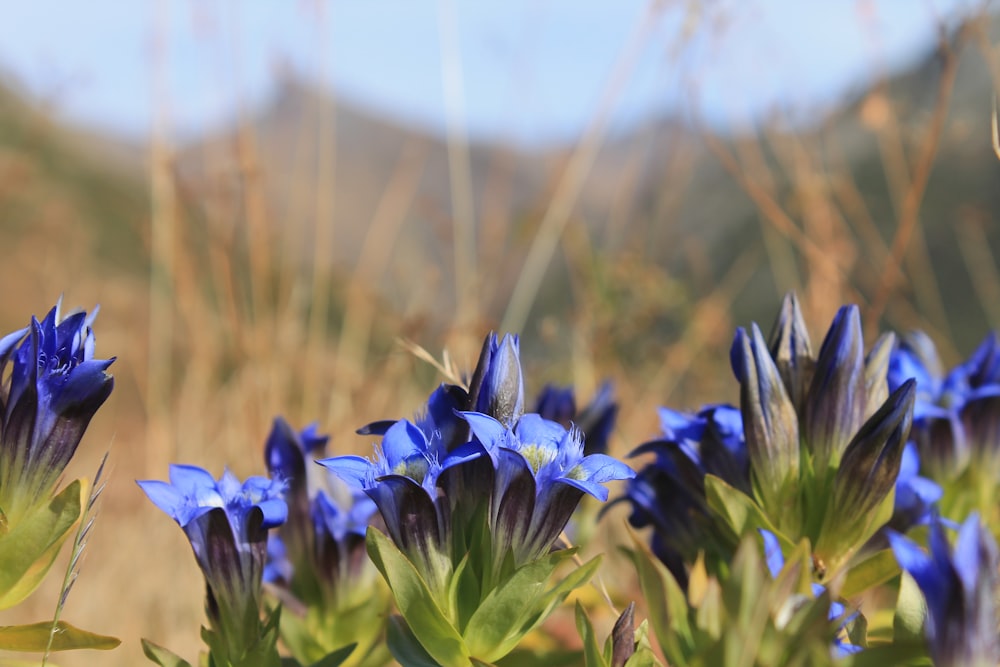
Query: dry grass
pixel 240 313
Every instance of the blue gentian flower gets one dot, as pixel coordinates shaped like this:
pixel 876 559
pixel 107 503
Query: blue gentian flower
pixel 402 480
pixel 541 475
pixel 227 524
pixel 956 413
pixel 916 496
pixel 596 420
pixel 53 390
pixel 837 613
pixel 960 588
pixel 319 552
pixel 669 493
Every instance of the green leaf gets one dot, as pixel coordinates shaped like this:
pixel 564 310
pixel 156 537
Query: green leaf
pixel 873 571
pixel 416 603
pixel 404 646
pixel 498 622
pixel 908 622
pixel 35 638
pixel 336 658
pixel 738 510
pixel 644 655
pixel 28 551
pixel 521 603
pixel 162 656
pixel 530 658
pixel 667 602
pixel 898 654
pixel 591 650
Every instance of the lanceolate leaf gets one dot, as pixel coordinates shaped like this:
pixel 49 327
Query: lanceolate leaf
pixel 162 656
pixel 517 605
pixel 28 551
pixel 737 509
pixel 34 638
pixel 416 603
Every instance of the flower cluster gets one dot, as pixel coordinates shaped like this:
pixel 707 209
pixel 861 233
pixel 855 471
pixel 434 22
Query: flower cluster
pixel 956 418
pixel 817 457
pixel 473 492
pixel 317 561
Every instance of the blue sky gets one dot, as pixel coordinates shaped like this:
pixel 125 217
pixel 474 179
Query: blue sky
pixel 523 70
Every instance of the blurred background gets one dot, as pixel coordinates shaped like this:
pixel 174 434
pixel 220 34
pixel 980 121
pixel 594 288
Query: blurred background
pixel 274 203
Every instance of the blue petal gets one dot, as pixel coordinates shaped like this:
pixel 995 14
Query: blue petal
pixel 8 342
pixel 772 552
pixel 196 484
pixel 967 552
pixel 487 430
pixel 593 488
pixel 401 441
pixel 354 470
pixel 164 496
pixel 677 425
pixel 275 512
pixel 532 429
pixel 602 468
pixel 932 581
pixel 467 452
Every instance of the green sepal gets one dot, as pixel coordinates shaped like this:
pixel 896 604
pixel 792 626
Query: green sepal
pixel 873 571
pixel 416 603
pixel 34 638
pixel 520 603
pixel 843 535
pixel 644 655
pixel 162 656
pixel 28 550
pixel 592 654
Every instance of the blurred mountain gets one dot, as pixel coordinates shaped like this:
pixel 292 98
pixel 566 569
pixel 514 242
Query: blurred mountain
pixel 361 195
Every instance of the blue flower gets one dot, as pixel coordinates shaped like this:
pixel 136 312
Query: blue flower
pixel 55 387
pixel 402 480
pixel 960 588
pixel 319 552
pixel 227 524
pixel 669 492
pixel 956 413
pixel 915 495
pixel 541 475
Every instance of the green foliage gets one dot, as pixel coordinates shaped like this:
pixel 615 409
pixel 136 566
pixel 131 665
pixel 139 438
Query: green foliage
pixel 476 625
pixel 745 619
pixel 34 638
pixel 29 547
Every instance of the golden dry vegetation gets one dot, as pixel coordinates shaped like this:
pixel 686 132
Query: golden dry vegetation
pixel 274 269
